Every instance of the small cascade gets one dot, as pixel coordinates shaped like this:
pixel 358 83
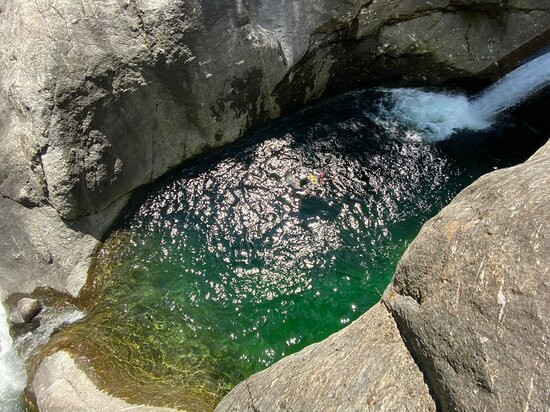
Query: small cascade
pixel 12 369
pixel 13 354
pixel 52 321
pixel 431 116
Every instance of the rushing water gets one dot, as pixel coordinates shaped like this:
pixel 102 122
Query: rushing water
pixel 14 353
pixel 435 116
pixel 12 370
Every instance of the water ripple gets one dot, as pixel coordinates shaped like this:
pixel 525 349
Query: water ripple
pixel 262 249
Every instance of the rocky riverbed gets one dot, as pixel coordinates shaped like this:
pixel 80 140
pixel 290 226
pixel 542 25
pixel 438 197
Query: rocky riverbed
pixel 99 99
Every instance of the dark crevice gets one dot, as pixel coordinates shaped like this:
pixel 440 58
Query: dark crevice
pixel 139 14
pixel 413 350
pixel 252 405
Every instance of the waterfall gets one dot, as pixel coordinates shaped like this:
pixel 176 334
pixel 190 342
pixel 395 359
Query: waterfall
pixel 410 113
pixel 513 89
pixel 434 116
pixel 12 369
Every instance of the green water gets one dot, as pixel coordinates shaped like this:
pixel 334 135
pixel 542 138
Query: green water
pixel 230 264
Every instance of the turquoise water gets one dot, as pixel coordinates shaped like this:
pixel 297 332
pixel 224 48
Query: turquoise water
pixel 232 263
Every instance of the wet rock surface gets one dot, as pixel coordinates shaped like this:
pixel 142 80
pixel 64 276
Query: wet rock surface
pixel 26 310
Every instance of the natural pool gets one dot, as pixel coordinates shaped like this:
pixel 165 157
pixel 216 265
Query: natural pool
pixel 232 263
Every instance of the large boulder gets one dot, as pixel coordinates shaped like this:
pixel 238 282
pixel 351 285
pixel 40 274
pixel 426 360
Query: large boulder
pixel 471 294
pixel 100 98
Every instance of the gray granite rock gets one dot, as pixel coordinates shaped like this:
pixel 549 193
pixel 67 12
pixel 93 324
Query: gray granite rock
pixel 59 385
pixel 39 249
pixel 25 311
pixel 365 366
pixel 471 294
pixel 99 98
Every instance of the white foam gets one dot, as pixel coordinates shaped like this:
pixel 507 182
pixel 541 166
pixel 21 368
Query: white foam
pixel 429 116
pixel 52 320
pixel 12 369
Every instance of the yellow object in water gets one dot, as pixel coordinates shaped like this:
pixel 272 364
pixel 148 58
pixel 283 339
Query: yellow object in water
pixel 313 179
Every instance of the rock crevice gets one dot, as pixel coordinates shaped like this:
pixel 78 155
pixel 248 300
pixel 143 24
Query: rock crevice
pixel 478 282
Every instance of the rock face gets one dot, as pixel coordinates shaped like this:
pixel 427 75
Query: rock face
pixel 59 385
pixel 39 249
pixel 365 366
pixel 470 295
pixel 99 98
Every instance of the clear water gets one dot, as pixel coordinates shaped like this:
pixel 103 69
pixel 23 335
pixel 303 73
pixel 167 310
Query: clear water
pixel 231 264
